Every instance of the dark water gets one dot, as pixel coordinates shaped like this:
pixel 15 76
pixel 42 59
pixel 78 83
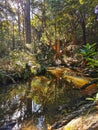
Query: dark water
pixel 34 105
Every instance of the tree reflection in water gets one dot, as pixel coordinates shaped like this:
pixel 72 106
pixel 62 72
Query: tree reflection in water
pixel 34 104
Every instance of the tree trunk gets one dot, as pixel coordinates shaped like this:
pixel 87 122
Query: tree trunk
pixel 43 15
pixel 19 30
pixel 74 114
pixel 84 32
pixel 27 22
pixel 13 38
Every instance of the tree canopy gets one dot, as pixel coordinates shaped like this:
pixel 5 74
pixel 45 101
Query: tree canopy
pixel 52 23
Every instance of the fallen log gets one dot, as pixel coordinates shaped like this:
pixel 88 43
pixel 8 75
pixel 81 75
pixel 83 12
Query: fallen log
pixel 94 126
pixel 89 83
pixel 74 114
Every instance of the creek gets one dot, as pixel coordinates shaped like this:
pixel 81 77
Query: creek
pixel 36 104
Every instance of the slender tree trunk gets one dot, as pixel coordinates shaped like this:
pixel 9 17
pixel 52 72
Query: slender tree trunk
pixel 1 30
pixel 43 15
pixel 84 32
pixel 24 38
pixel 19 30
pixel 27 22
pixel 23 35
pixel 13 38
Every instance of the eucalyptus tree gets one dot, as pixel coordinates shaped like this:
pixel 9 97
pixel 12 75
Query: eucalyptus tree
pixel 6 15
pixel 27 21
pixel 71 20
pixel 38 21
pixel 82 13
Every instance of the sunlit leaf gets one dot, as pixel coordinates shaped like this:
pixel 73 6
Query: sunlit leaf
pixel 46 89
pixel 81 2
pixel 90 99
pixel 97 97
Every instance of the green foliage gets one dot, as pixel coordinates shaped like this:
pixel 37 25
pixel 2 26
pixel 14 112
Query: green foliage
pixel 92 63
pixel 14 65
pixel 3 49
pixel 95 99
pixel 81 2
pixel 89 54
pixel 52 19
pixel 45 55
pixel 88 51
pixel 21 57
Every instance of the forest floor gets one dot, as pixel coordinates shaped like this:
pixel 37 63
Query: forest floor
pixel 14 66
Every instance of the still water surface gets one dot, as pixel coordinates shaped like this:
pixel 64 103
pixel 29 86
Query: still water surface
pixel 34 105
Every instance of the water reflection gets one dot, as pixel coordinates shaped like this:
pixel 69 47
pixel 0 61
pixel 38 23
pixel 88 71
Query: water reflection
pixel 40 123
pixel 36 107
pixel 33 105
